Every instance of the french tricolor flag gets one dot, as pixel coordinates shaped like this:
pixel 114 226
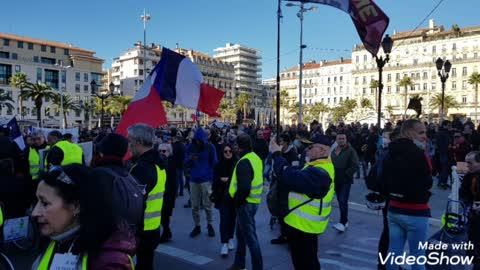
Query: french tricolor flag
pixel 177 80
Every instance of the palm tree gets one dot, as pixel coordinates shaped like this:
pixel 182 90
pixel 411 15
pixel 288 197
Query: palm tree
pixel 365 105
pixel 319 109
pixel 436 103
pixel 474 79
pixel 227 110
pixel 19 81
pixel 457 31
pixel 118 105
pixel 389 110
pixel 89 109
pixel 68 105
pixel 293 110
pixel 5 100
pixel 405 82
pixel 375 84
pixel 242 102
pixel 37 92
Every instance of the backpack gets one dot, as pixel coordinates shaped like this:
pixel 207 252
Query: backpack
pixel 128 197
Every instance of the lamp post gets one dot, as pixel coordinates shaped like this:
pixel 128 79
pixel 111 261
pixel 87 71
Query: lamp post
pixel 387 44
pixel 102 96
pixel 145 18
pixel 62 116
pixel 443 68
pixel 302 10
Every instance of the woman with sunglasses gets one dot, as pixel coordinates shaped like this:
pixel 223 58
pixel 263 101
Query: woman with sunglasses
pixel 75 212
pixel 222 175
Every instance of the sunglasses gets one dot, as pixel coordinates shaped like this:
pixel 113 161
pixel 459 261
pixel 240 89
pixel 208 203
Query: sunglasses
pixel 163 151
pixel 227 151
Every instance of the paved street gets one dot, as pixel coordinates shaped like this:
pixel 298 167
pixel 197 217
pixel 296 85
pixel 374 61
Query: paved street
pixel 354 249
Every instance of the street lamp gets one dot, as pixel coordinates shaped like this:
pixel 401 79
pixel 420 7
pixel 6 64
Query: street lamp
pixel 145 18
pixel 443 74
pixel 387 44
pixel 103 96
pixel 62 116
pixel 300 12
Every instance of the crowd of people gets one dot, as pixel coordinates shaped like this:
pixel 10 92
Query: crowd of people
pixel 114 212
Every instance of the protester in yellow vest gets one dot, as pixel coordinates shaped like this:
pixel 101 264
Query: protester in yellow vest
pixel 62 152
pixel 246 189
pixel 149 170
pixel 311 190
pixel 75 211
pixel 39 143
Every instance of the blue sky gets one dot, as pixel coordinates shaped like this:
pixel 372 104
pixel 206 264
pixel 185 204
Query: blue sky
pixel 109 27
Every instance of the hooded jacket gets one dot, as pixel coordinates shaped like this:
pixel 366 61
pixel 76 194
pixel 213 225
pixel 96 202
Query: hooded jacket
pixel 201 157
pixel 145 172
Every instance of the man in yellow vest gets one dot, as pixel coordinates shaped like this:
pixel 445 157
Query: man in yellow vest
pixel 311 190
pixel 39 143
pixel 149 170
pixel 62 152
pixel 246 189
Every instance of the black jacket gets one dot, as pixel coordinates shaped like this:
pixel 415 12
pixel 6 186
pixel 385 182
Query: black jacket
pixel 406 173
pixel 170 187
pixel 224 168
pixel 260 147
pixel 144 170
pixel 179 154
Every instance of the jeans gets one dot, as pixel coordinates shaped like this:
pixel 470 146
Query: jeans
pixel 444 170
pixel 343 192
pixel 199 193
pixel 179 175
pixel 404 228
pixel 247 236
pixel 227 220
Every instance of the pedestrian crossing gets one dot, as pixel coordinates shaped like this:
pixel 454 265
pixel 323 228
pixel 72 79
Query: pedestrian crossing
pixel 362 256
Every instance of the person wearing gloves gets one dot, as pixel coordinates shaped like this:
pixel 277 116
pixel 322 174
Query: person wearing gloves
pixel 311 191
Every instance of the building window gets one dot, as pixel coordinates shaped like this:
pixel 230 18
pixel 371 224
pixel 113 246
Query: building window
pixel 365 58
pixel 397 77
pixel 135 72
pixel 364 80
pixel 14 56
pixel 85 88
pixel 140 72
pixel 464 99
pixel 35 59
pixel 77 113
pixel 77 76
pixel 434 86
pixel 357 59
pixel 464 85
pixel 417 75
pixel 64 76
pixel 454 47
pixel 475 55
pixel 5 55
pixel 52 49
pixel 51 78
pixel 77 88
pixel 397 89
pixel 356 80
pixel 389 77
pixel 18 68
pixel 39 74
pixel 85 77
pixel 66 52
pixel 364 91
pixel 43 48
pixel 464 71
pixel 49 61
pixel 5 73
pixel 425 86
pixel 20 44
pixel 434 49
pixel 454 85
pixel 415 61
pixel 372 91
pixel 30 46
pixel 464 56
pixel 425 75
pixel 454 72
pixel 335 100
pixel 6 42
pixel 389 89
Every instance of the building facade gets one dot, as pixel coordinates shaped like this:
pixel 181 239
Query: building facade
pixel 63 67
pixel 413 55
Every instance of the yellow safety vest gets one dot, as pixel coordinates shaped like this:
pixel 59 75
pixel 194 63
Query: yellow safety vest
pixel 1 217
pixel 34 161
pixel 256 189
pixel 72 153
pixel 48 255
pixel 153 210
pixel 312 217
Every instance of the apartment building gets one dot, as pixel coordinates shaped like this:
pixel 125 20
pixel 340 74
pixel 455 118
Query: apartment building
pixel 64 67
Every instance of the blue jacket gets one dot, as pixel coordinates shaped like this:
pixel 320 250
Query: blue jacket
pixel 201 158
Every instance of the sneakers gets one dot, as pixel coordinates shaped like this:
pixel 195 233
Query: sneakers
pixel 211 231
pixel 224 250
pixel 279 241
pixel 341 227
pixel 231 244
pixel 195 232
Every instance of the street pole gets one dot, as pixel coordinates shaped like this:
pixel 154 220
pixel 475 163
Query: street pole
pixel 442 115
pixel 145 18
pixel 101 118
pixel 61 107
pixel 443 68
pixel 380 88
pixel 300 16
pixel 279 16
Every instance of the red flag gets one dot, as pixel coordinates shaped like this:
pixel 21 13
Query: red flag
pixel 370 21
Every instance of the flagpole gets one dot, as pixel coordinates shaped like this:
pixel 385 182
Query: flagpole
pixel 279 16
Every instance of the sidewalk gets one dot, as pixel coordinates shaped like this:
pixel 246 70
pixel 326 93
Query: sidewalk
pixel 438 200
